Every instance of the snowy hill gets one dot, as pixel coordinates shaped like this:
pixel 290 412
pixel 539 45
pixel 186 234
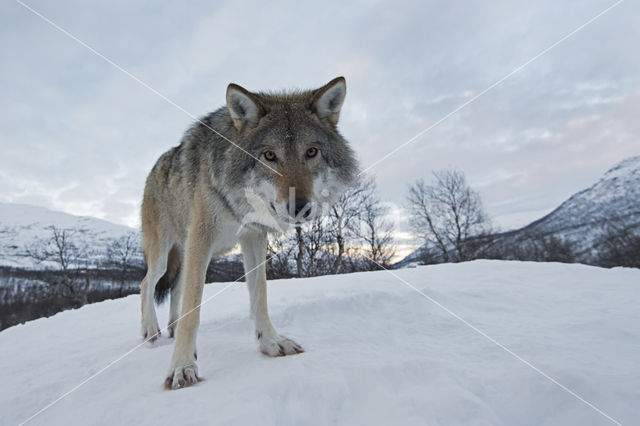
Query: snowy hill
pixel 378 353
pixel 582 219
pixel 22 226
pixel 615 198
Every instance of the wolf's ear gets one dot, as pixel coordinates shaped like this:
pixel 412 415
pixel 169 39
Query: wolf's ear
pixel 327 100
pixel 244 107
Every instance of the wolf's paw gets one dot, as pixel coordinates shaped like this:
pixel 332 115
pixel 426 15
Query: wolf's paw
pixel 150 331
pixel 181 377
pixel 279 346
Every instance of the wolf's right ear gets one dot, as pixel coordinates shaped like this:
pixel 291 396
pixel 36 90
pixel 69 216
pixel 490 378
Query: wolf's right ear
pixel 244 107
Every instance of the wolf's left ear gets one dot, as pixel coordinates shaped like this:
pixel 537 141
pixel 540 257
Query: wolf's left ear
pixel 244 107
pixel 327 100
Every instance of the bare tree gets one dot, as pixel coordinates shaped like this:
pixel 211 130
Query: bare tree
pixel 73 261
pixel 279 252
pixel 120 254
pixel 620 246
pixel 300 253
pixel 555 248
pixel 375 231
pixel 343 220
pixel 540 247
pixel 447 213
pixel 313 243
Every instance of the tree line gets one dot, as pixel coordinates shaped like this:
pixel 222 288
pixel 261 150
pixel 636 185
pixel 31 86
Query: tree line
pixel 69 262
pixel 69 272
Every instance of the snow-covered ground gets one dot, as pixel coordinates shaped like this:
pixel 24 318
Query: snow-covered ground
pixel 378 352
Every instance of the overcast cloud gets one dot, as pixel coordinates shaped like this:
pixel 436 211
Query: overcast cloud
pixel 80 136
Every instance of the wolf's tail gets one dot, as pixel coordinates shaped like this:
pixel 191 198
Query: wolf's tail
pixel 170 278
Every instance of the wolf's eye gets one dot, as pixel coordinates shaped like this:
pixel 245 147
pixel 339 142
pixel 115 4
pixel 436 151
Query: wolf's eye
pixel 312 152
pixel 270 156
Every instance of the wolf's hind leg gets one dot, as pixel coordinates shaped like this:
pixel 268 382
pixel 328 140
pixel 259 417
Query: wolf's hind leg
pixel 156 267
pixel 174 309
pixel 254 250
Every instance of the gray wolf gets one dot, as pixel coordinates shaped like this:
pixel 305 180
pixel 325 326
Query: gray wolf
pixel 256 166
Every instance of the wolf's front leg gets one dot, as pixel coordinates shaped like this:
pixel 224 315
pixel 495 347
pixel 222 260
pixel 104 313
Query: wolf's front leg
pixel 183 370
pixel 254 250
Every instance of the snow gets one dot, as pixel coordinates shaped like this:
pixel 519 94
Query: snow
pixel 625 168
pixel 23 226
pixel 26 215
pixel 378 353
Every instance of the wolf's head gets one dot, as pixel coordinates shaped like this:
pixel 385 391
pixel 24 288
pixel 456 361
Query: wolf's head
pixel 299 163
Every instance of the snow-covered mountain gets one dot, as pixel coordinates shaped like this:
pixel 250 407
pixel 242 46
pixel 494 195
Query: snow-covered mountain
pixel 377 353
pixel 24 226
pixel 585 216
pixel 614 199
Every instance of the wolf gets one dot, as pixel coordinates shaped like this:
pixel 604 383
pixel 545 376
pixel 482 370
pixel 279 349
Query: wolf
pixel 258 165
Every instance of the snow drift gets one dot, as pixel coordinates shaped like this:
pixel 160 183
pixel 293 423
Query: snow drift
pixel 378 352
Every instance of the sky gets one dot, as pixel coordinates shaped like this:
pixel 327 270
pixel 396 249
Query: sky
pixel 79 135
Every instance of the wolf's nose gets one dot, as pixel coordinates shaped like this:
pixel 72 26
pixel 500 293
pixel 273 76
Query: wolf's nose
pixel 301 204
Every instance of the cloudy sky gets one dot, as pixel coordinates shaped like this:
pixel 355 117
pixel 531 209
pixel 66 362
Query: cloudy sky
pixel 78 135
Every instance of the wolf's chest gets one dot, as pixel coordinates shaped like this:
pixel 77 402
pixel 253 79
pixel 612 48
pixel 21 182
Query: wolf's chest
pixel 225 239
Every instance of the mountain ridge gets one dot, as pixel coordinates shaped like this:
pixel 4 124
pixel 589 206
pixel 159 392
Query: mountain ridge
pixel 24 225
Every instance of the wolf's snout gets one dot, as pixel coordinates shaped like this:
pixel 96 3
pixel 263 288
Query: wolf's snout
pixel 301 205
